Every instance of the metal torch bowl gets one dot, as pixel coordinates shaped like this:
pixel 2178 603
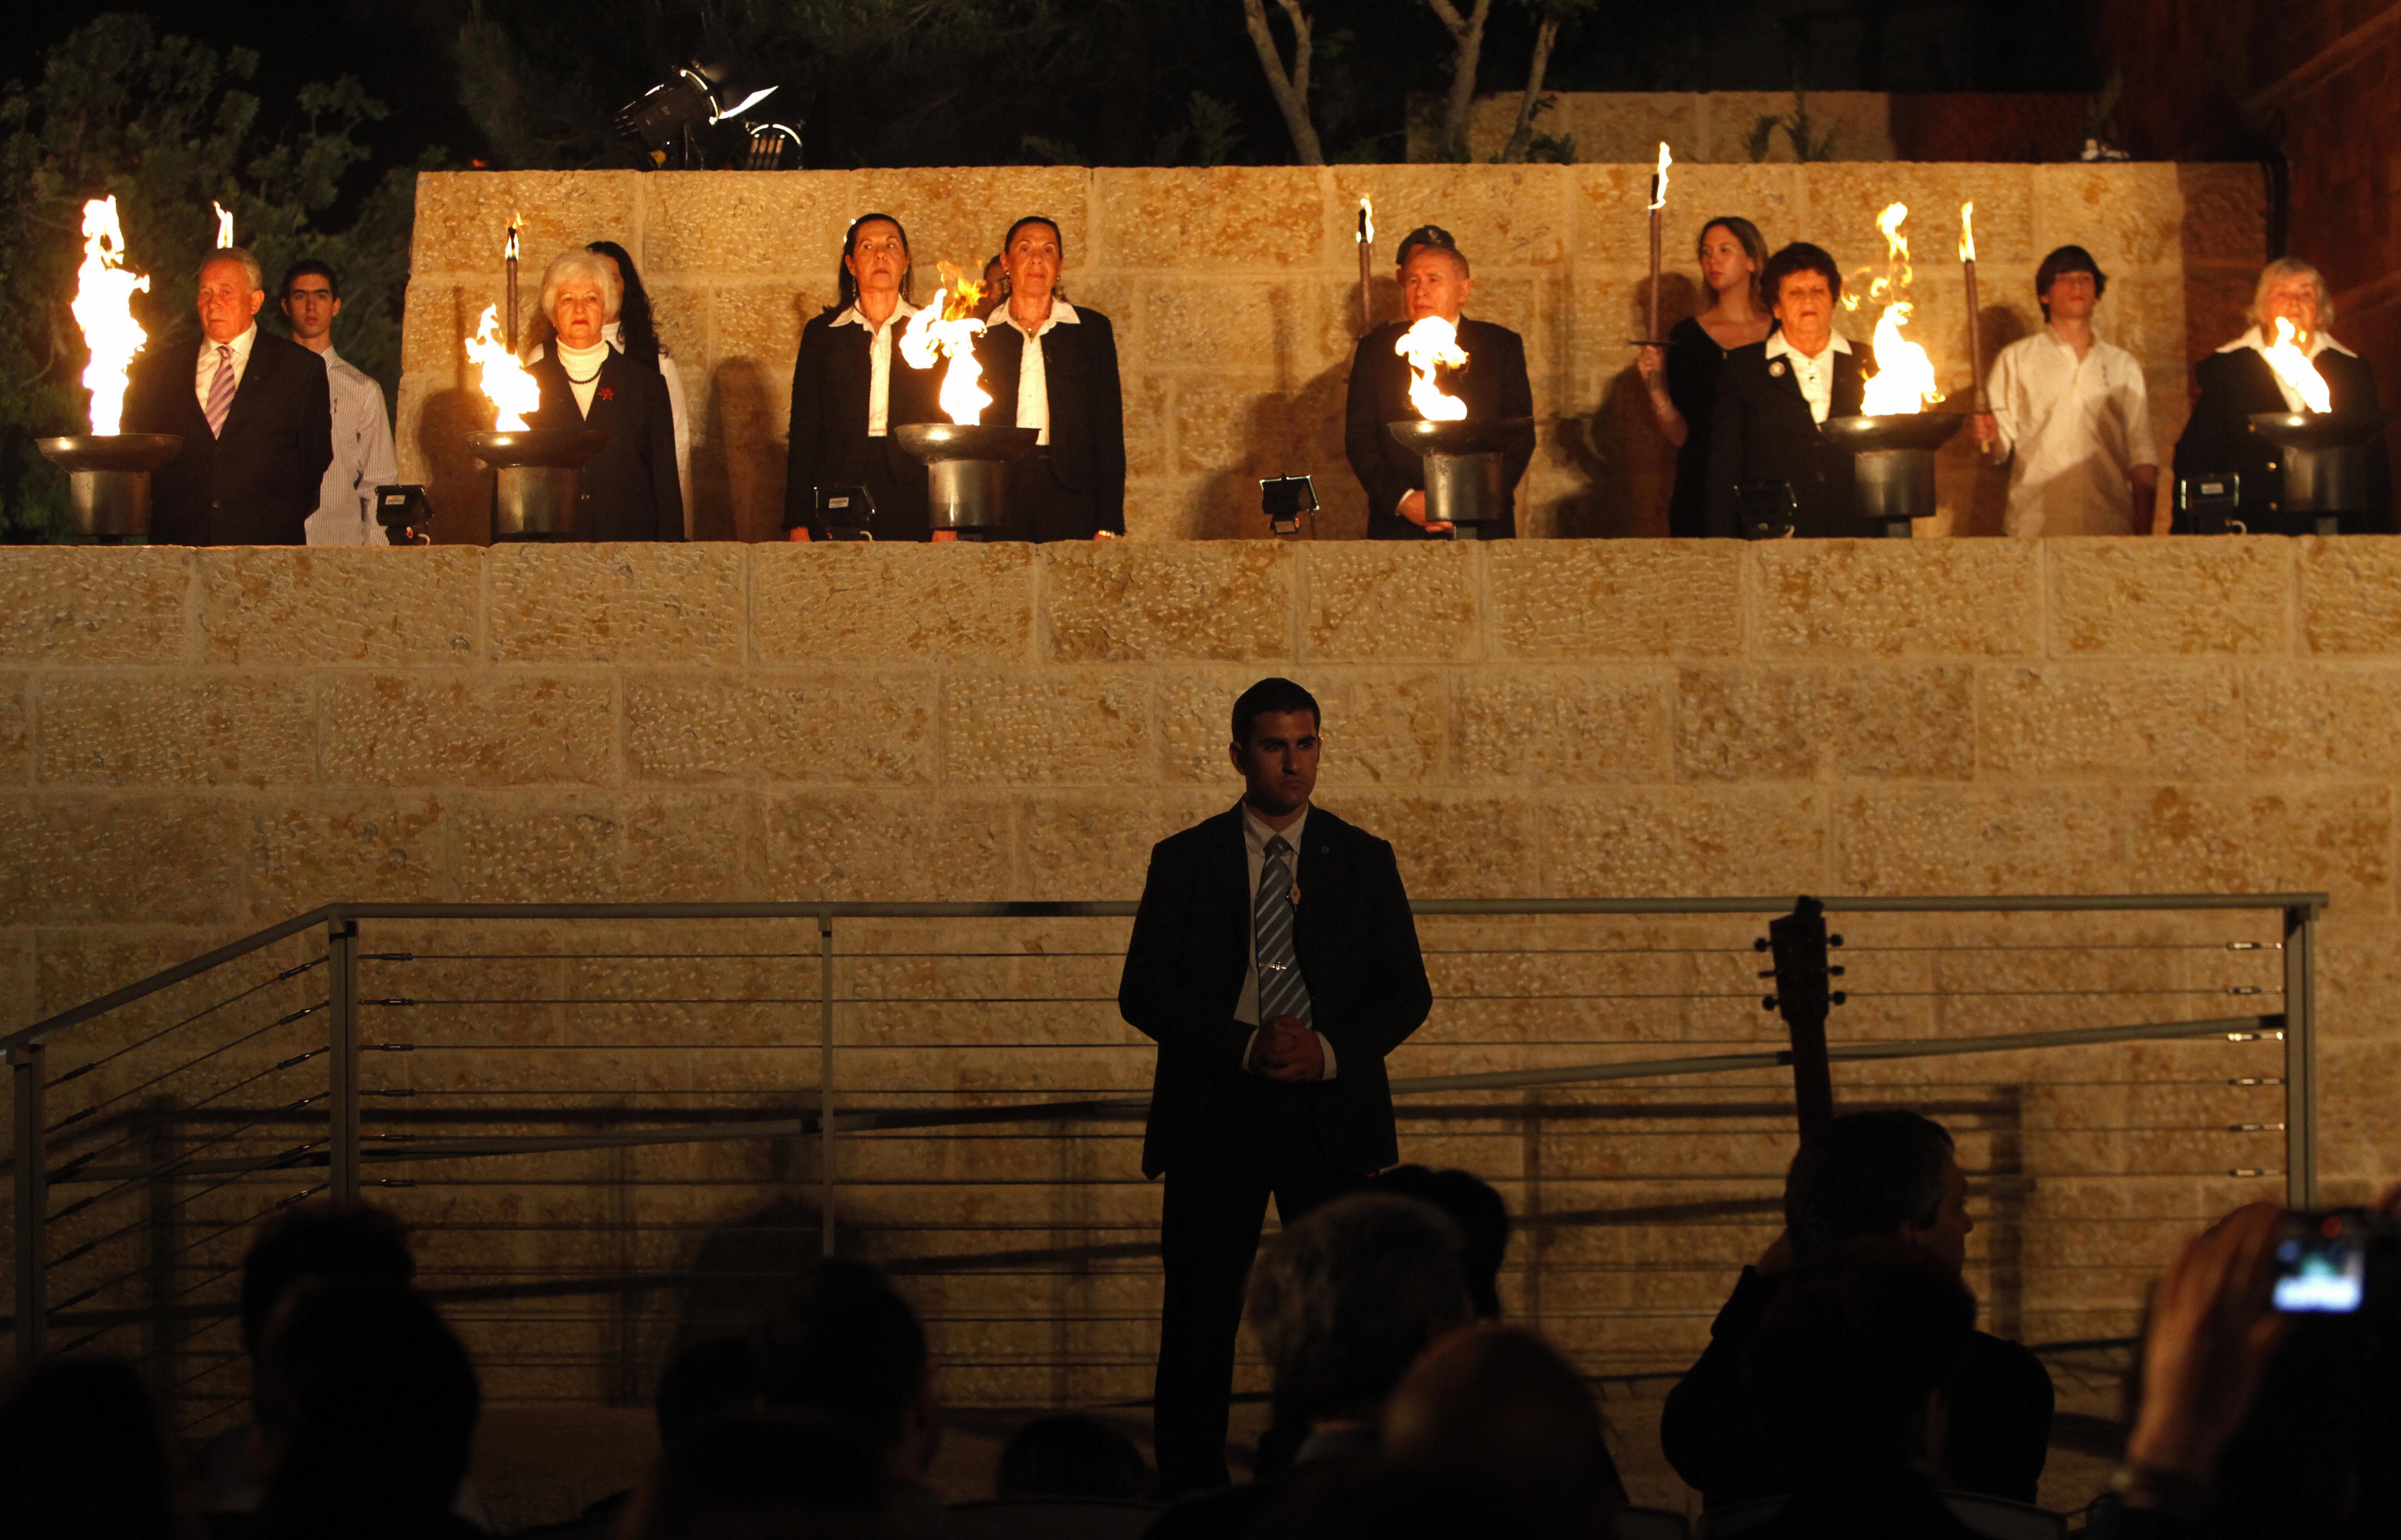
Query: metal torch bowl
pixel 2325 462
pixel 1467 486
pixel 537 479
pixel 1464 436
pixel 109 478
pixel 967 472
pixel 2315 430
pixel 1901 431
pixel 936 443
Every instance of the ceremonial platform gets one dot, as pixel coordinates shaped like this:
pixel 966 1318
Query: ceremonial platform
pixel 1234 293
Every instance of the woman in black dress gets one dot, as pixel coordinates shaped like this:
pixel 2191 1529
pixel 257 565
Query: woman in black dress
pixel 629 491
pixel 1682 377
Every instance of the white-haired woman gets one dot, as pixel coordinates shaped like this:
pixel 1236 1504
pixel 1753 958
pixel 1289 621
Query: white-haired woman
pixel 630 491
pixel 2237 380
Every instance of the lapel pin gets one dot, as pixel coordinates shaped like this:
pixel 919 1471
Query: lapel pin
pixel 1776 368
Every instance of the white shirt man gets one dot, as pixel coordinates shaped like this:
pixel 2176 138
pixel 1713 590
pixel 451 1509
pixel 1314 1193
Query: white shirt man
pixel 363 458
pixel 879 354
pixel 2072 417
pixel 1814 375
pixel 1033 384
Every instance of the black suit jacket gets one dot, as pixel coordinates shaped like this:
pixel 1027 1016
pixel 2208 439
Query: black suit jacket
pixel 1493 385
pixel 1999 1434
pixel 630 491
pixel 257 484
pixel 829 441
pixel 1079 368
pixel 1763 433
pixel 1191 947
pixel 2218 437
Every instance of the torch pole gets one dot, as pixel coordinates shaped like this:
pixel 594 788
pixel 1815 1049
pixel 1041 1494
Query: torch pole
pixel 511 328
pixel 1366 270
pixel 1976 339
pixel 1650 334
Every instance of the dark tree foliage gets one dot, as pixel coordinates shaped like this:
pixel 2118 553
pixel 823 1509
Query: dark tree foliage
pixel 166 125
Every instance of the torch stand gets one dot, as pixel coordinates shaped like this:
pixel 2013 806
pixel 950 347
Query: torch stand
pixel 1893 464
pixel 108 479
pixel 2325 462
pixel 1466 484
pixel 967 472
pixel 538 478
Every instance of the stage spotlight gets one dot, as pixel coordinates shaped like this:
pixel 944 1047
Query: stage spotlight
pixel 672 124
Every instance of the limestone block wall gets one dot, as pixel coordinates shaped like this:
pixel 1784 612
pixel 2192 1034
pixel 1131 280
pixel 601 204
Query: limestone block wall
pixel 1234 293
pixel 198 743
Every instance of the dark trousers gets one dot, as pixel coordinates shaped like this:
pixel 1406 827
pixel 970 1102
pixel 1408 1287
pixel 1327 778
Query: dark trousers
pixel 1208 1235
pixel 1042 507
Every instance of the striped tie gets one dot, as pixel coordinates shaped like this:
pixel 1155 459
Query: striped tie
pixel 1281 990
pixel 220 391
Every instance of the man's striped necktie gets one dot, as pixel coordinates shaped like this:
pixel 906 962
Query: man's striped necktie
pixel 220 391
pixel 1281 990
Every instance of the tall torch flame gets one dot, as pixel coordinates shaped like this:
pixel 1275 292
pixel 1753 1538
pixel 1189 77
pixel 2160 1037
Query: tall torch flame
pixel 1431 342
pixel 512 392
pixel 2292 366
pixel 224 224
pixel 1366 221
pixel 1967 231
pixel 1659 177
pixel 947 329
pixel 104 307
pixel 1903 382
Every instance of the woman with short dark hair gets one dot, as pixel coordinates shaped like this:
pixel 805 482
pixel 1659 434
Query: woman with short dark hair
pixel 1763 444
pixel 850 390
pixel 1682 377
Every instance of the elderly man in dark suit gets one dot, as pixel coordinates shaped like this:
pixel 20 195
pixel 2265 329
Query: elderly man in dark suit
pixel 1275 962
pixel 1771 395
pixel 1434 281
pixel 1053 367
pixel 253 411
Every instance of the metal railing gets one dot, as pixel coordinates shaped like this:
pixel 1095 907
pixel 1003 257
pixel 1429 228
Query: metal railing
pixel 607 1137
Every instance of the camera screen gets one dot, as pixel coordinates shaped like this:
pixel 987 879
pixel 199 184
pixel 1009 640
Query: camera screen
pixel 2321 1272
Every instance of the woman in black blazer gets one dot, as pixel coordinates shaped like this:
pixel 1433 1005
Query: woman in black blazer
pixel 850 389
pixel 629 489
pixel 1072 486
pixel 2237 380
pixel 1682 377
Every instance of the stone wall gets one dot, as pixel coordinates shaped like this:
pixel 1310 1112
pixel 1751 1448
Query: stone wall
pixel 1235 297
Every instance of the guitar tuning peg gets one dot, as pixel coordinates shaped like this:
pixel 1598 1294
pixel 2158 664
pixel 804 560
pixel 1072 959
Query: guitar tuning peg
pixel 1838 997
pixel 1759 943
pixel 1767 1003
pixel 1767 973
pixel 1836 971
pixel 1833 941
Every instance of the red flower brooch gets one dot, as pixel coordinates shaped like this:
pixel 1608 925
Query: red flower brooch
pixel 607 392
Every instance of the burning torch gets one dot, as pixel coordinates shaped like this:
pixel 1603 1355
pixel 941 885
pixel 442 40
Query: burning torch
pixel 1975 332
pixel 1366 264
pixel 509 255
pixel 108 472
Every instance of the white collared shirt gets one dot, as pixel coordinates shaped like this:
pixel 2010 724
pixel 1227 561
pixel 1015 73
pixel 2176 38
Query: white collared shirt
pixel 2073 429
pixel 1033 382
pixel 879 368
pixel 1255 835
pixel 205 373
pixel 2318 343
pixel 1814 376
pixel 362 459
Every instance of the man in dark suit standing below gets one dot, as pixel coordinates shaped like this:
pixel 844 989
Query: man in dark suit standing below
pixel 1773 394
pixel 254 414
pixel 1434 281
pixel 1275 962
pixel 1053 367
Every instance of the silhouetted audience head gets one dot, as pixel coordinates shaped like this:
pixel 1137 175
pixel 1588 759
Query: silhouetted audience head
pixel 1888 1173
pixel 318 1240
pixel 763 1476
pixel 1499 1402
pixel 846 1346
pixel 1345 1299
pixel 1848 1363
pixel 1070 1455
pixel 368 1403
pixel 83 1456
pixel 719 1374
pixel 1476 1206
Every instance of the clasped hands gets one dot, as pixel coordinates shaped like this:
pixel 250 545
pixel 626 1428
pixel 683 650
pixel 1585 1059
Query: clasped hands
pixel 1286 1049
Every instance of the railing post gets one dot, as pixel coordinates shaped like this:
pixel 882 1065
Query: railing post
pixel 342 1058
pixel 2300 1058
pixel 26 1071
pixel 825 1075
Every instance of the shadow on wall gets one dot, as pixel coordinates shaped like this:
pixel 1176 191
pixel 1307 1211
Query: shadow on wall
pixel 456 482
pixel 1628 465
pixel 1284 433
pixel 738 492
